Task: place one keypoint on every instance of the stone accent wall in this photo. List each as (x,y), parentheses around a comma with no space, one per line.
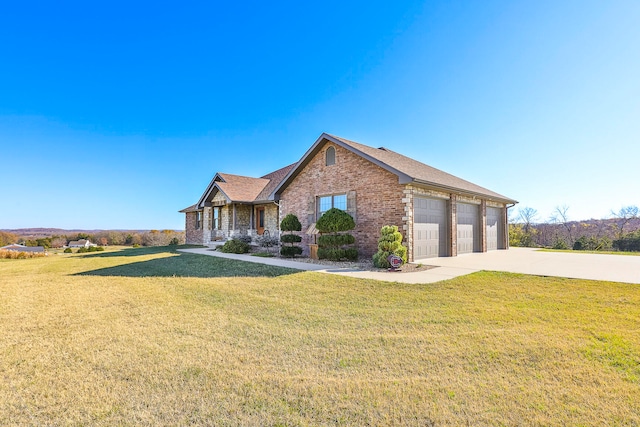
(483,226)
(271,220)
(374,196)
(243,218)
(452,238)
(193,235)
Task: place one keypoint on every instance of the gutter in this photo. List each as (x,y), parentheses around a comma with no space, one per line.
(461,191)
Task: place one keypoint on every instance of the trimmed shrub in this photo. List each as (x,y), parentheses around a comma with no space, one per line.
(334,221)
(334,245)
(174,242)
(389,243)
(290,223)
(336,240)
(82,250)
(338,254)
(291,238)
(290,251)
(234,246)
(67,251)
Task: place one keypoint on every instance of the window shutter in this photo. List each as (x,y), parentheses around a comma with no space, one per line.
(351,204)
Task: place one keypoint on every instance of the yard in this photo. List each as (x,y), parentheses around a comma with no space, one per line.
(125,337)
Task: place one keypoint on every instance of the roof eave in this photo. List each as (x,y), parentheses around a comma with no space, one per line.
(465,192)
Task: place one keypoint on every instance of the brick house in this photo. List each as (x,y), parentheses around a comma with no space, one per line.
(438,214)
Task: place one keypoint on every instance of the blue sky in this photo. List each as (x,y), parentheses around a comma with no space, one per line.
(117,114)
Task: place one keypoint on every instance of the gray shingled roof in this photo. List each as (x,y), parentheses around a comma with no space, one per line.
(274,178)
(241,188)
(192,208)
(245,189)
(22,248)
(407,169)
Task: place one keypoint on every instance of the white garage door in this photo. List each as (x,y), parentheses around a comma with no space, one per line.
(468,236)
(494,229)
(429,227)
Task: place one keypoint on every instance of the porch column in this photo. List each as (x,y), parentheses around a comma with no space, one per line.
(235,216)
(251,220)
(206,230)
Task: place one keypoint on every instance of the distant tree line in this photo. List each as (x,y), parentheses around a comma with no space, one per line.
(102,238)
(619,232)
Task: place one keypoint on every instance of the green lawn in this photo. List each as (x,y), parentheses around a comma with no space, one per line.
(155,337)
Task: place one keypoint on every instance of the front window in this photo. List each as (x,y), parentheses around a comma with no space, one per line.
(198,220)
(216,218)
(338,201)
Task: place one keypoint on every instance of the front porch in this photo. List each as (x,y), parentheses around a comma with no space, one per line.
(229,220)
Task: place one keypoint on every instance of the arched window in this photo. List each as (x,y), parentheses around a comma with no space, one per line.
(330,156)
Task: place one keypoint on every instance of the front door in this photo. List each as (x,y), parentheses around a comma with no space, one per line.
(260,220)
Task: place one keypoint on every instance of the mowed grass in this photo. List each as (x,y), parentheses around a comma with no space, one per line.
(126,338)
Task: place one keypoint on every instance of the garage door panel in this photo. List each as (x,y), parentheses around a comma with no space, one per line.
(467,226)
(493,229)
(429,227)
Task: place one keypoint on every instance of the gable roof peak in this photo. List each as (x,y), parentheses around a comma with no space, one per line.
(407,170)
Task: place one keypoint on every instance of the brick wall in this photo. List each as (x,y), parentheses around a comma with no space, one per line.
(374,191)
(193,235)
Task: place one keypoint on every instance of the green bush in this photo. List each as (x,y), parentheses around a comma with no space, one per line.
(628,243)
(291,238)
(100,249)
(338,254)
(592,243)
(331,245)
(174,242)
(290,251)
(336,240)
(234,246)
(560,244)
(68,251)
(82,250)
(389,243)
(290,223)
(334,221)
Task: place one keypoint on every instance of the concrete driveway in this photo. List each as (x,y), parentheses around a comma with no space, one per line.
(616,268)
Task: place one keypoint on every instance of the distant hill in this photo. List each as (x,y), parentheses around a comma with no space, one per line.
(48,232)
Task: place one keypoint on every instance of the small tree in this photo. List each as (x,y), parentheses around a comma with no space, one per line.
(335,245)
(290,248)
(389,243)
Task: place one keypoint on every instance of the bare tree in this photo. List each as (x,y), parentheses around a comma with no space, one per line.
(623,217)
(528,216)
(560,216)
